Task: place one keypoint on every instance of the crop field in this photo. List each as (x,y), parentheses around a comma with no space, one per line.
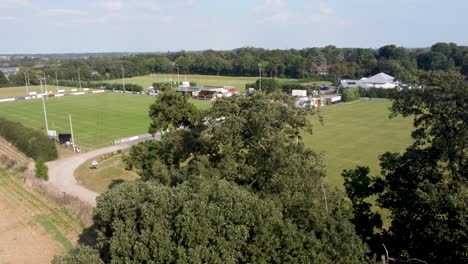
(98,119)
(237,82)
(32,227)
(355,134)
(11,92)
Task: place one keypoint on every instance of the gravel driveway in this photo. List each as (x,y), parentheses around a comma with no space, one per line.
(61,171)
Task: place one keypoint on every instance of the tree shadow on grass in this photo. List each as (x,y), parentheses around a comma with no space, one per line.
(89,236)
(115,183)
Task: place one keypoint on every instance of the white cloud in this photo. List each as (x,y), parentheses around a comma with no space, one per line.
(325,9)
(7,18)
(184,3)
(278,12)
(275,11)
(15,3)
(109,5)
(149,6)
(63,13)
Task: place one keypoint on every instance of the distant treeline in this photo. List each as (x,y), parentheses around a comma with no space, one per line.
(301,64)
(33,143)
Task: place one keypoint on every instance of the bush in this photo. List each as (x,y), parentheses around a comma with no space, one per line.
(42,172)
(78,254)
(350,94)
(33,143)
(376,92)
(164,86)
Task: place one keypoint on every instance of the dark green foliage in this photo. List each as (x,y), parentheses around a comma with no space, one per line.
(33,143)
(3,80)
(288,87)
(254,143)
(210,221)
(172,110)
(425,188)
(350,94)
(239,187)
(41,170)
(376,92)
(268,85)
(347,63)
(129,87)
(358,188)
(119,87)
(164,86)
(79,255)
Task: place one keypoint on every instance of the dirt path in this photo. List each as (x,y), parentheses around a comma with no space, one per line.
(61,172)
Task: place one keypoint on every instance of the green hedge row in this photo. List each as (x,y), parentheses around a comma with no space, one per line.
(33,143)
(99,85)
(271,85)
(377,92)
(349,94)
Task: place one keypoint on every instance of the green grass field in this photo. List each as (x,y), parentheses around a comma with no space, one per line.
(355,134)
(11,92)
(98,119)
(237,82)
(111,170)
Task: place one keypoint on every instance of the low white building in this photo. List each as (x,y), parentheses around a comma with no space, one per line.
(381,80)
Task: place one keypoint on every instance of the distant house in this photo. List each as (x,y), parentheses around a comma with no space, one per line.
(8,71)
(381,80)
(324,69)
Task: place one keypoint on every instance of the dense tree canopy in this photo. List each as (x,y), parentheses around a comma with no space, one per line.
(425,189)
(238,185)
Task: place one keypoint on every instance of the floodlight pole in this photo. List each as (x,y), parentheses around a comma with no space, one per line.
(56,82)
(26,82)
(27,75)
(71,130)
(178,78)
(45,112)
(123,79)
(45,86)
(260,70)
(79,79)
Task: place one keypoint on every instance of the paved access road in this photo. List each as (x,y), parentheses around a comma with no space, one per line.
(61,172)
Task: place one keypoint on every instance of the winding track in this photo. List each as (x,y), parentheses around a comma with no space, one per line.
(61,171)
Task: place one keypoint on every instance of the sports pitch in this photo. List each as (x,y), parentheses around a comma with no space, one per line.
(356,134)
(353,133)
(12,92)
(237,82)
(98,119)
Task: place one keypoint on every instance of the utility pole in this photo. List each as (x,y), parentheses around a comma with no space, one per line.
(171,82)
(123,79)
(178,78)
(56,83)
(71,130)
(45,86)
(26,82)
(79,79)
(260,70)
(45,112)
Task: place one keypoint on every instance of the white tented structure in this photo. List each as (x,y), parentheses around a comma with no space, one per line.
(381,80)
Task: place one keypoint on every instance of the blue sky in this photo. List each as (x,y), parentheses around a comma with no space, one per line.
(53,26)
